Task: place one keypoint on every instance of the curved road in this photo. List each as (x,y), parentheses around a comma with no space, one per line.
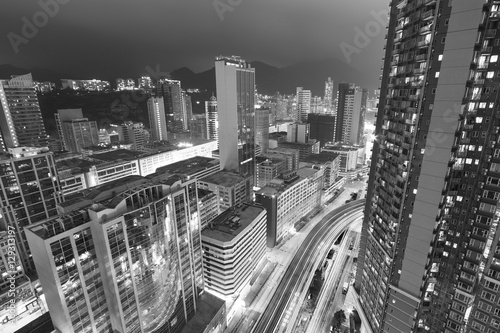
(270,319)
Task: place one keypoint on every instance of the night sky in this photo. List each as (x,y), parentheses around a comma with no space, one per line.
(112,38)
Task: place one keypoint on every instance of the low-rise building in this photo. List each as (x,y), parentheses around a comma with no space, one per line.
(268,169)
(348,155)
(305,149)
(289,198)
(231,188)
(233,244)
(330,162)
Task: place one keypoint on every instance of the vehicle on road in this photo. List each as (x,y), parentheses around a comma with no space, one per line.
(345,288)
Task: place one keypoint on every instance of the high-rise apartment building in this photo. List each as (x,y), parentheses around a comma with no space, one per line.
(173,102)
(303,104)
(21,123)
(187,111)
(235,81)
(63,115)
(262,128)
(30,191)
(212,119)
(351,109)
(157,119)
(328,98)
(321,128)
(429,257)
(135,133)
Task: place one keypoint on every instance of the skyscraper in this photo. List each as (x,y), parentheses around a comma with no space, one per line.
(80,133)
(429,257)
(262,128)
(212,119)
(303,104)
(328,98)
(350,113)
(63,115)
(171,92)
(235,81)
(157,119)
(21,122)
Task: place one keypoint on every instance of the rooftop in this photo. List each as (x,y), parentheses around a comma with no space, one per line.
(224,178)
(76,165)
(207,307)
(321,158)
(190,166)
(232,222)
(278,185)
(116,155)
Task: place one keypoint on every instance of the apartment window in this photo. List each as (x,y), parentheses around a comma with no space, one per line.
(443,40)
(433,90)
(490,75)
(436,75)
(494,58)
(440,57)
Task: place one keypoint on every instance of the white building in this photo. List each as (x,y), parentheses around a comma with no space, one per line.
(233,244)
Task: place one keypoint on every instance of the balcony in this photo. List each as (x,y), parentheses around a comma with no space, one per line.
(419,70)
(490,33)
(425,29)
(421,57)
(423,43)
(487,49)
(479,81)
(413,97)
(494,15)
(428,15)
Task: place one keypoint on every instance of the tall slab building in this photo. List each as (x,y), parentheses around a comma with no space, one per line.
(21,122)
(430,254)
(235,81)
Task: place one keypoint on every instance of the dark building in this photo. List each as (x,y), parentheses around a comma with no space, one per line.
(321,128)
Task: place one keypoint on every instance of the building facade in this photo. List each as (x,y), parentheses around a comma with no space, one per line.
(235,81)
(303,104)
(262,128)
(233,244)
(428,258)
(157,119)
(212,116)
(231,188)
(321,128)
(79,133)
(289,198)
(21,123)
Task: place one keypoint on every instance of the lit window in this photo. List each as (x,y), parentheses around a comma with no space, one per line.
(494,58)
(440,57)
(415,191)
(479,120)
(437,75)
(490,75)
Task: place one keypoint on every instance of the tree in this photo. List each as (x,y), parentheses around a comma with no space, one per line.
(339,318)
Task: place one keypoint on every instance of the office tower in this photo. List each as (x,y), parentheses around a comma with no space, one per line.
(233,244)
(212,119)
(79,133)
(328,98)
(63,115)
(429,252)
(321,128)
(298,132)
(208,205)
(122,258)
(350,113)
(157,119)
(287,199)
(135,133)
(303,104)
(262,128)
(235,81)
(30,191)
(171,92)
(21,123)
